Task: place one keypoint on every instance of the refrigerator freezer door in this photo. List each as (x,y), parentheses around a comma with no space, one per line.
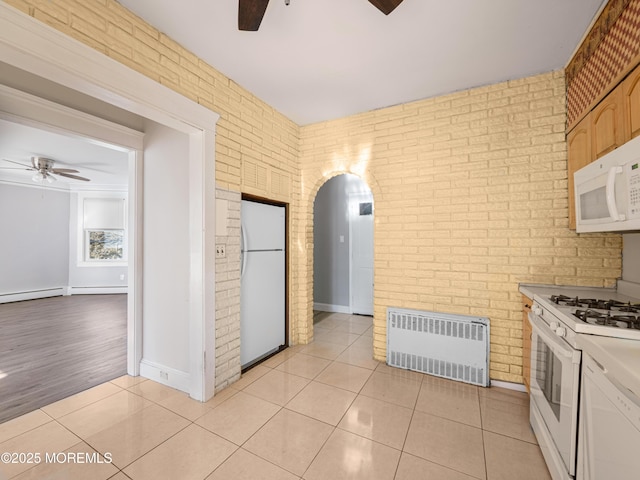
(263,305)
(263,226)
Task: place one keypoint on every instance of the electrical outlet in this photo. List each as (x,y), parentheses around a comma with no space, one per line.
(221,251)
(164,375)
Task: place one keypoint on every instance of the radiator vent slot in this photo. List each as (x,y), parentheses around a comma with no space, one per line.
(450,346)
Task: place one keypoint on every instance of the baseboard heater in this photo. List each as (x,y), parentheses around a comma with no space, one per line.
(441,344)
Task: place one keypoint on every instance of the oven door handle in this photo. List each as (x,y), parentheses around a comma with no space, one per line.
(542,330)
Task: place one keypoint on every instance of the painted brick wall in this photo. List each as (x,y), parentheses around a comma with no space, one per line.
(470,192)
(228,295)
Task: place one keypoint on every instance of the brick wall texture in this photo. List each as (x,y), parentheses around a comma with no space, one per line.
(470,189)
(228,295)
(470,194)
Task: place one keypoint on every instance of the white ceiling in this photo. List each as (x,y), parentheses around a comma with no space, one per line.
(316,60)
(102,165)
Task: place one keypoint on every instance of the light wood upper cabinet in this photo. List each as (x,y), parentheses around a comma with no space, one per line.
(631,102)
(613,122)
(578,156)
(607,120)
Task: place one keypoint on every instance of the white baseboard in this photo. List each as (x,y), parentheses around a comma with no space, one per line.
(511,386)
(166,375)
(32,295)
(325,307)
(58,292)
(97,290)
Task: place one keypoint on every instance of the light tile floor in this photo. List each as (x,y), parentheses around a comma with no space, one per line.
(319,411)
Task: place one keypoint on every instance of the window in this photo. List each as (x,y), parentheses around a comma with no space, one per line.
(104,245)
(104,230)
(366,208)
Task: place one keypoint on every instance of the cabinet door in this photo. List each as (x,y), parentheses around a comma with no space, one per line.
(607,120)
(526,341)
(631,100)
(579,155)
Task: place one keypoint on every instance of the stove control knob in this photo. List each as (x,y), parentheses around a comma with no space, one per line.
(561,331)
(554,326)
(537,310)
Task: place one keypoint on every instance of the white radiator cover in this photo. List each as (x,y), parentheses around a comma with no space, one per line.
(450,346)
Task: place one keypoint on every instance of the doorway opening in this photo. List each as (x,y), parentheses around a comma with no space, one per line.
(343,247)
(67,256)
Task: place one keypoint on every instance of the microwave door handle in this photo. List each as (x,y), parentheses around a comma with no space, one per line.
(611,194)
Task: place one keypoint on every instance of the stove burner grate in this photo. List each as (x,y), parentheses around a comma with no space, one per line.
(607,319)
(625,307)
(595,303)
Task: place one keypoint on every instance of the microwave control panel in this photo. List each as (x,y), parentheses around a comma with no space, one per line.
(634,189)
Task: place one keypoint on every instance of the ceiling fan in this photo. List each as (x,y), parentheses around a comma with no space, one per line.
(43,168)
(250,12)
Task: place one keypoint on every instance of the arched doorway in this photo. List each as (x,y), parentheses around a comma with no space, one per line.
(343,247)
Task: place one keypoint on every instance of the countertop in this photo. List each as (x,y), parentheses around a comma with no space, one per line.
(531,290)
(619,356)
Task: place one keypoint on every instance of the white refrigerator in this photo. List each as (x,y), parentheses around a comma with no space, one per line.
(262,291)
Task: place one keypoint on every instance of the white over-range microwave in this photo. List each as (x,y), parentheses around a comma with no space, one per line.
(607,191)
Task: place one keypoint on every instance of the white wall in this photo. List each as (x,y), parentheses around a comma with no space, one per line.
(87,276)
(166,248)
(34,238)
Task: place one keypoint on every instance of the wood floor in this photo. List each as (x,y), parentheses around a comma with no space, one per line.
(55,347)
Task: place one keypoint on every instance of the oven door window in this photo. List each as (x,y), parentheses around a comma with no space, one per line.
(548,376)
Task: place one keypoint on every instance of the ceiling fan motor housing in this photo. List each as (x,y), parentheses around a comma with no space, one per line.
(42,164)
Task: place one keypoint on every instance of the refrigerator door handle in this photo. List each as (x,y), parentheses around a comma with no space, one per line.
(243,240)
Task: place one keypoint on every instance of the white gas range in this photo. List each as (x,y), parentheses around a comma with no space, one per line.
(605,313)
(559,315)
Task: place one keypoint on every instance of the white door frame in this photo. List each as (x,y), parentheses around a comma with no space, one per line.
(32,46)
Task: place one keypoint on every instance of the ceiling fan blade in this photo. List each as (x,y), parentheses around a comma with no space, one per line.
(64,170)
(385,6)
(250,13)
(26,167)
(76,177)
(15,168)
